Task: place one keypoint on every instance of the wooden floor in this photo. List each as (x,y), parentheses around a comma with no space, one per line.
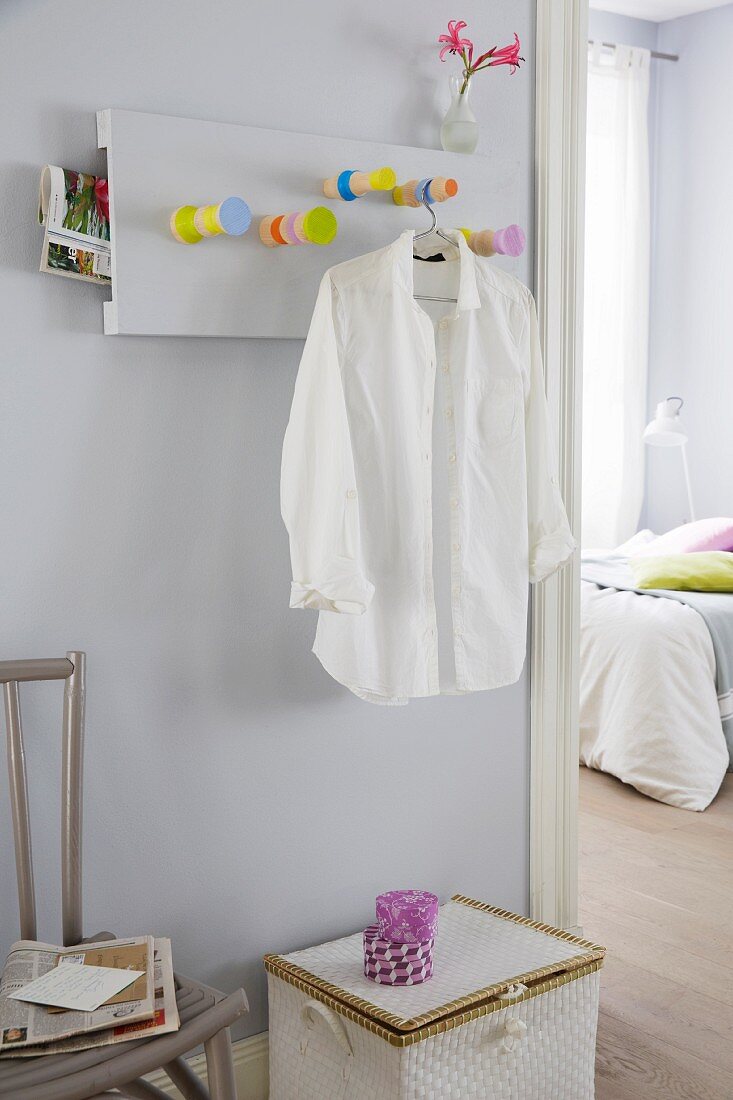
(656,889)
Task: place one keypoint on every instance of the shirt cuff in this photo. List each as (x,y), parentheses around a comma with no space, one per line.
(347,594)
(550,554)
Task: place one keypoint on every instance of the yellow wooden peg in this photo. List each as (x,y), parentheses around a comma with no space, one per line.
(350,185)
(190,224)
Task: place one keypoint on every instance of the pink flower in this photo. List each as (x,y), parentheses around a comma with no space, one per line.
(453,41)
(507,55)
(101,198)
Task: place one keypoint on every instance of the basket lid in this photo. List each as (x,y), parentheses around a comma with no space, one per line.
(481,953)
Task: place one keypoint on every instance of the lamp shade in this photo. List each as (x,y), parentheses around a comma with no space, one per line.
(666,429)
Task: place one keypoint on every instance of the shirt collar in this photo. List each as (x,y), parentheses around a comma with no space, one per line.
(402,249)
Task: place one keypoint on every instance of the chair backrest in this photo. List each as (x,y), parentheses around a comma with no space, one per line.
(71,669)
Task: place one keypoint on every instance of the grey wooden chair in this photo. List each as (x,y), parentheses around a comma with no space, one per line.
(206,1014)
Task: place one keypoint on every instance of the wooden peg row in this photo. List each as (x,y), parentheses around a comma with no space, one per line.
(350,185)
(190,224)
(437,189)
(496,242)
(316,226)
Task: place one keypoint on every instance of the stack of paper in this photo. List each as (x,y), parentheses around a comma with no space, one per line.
(56,999)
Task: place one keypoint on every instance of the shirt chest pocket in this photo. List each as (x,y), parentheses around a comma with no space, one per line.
(493,411)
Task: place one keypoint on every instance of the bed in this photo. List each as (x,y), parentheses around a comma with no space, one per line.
(655,704)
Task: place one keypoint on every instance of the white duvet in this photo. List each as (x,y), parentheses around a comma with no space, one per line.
(649,711)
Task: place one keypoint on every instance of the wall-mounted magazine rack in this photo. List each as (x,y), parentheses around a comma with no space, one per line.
(237,287)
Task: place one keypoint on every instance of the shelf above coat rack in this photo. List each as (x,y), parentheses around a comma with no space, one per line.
(233,286)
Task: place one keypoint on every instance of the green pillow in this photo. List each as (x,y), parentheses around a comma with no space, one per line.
(705,571)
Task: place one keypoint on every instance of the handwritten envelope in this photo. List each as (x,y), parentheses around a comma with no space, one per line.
(83,988)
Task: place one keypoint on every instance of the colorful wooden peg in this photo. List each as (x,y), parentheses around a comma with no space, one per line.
(497,242)
(350,185)
(316,226)
(437,189)
(190,224)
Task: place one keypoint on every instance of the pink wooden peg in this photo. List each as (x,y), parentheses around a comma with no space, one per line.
(510,241)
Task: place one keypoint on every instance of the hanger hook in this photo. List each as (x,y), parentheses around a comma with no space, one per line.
(434,227)
(431,211)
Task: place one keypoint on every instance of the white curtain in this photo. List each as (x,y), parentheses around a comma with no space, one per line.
(616,294)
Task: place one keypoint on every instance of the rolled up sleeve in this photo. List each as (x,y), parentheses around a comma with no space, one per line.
(550,539)
(318,490)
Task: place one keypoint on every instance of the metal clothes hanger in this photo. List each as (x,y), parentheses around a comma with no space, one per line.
(426,233)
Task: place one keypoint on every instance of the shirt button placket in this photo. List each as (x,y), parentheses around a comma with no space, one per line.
(427,424)
(455,500)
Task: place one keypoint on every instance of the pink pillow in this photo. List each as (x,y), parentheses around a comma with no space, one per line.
(691,538)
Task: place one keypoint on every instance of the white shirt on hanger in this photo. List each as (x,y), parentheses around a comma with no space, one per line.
(358,474)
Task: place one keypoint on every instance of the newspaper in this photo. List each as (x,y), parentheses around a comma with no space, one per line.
(165,1016)
(74,208)
(24,1026)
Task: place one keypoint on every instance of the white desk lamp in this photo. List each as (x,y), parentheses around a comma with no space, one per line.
(667,430)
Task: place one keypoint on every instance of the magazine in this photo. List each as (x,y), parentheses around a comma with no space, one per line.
(23,1023)
(165,1017)
(74,208)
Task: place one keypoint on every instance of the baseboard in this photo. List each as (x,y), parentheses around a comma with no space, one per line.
(250,1069)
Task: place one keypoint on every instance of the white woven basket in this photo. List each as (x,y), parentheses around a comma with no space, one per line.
(510,1014)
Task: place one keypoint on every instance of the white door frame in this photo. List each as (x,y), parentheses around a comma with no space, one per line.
(561,69)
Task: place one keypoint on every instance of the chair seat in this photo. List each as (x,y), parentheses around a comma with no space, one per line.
(46,1075)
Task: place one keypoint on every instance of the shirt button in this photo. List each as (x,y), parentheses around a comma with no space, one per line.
(446,369)
(452,456)
(351,494)
(456,589)
(454,502)
(456,546)
(427,457)
(449,413)
(444,324)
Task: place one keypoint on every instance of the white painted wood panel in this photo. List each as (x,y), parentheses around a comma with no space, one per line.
(234,286)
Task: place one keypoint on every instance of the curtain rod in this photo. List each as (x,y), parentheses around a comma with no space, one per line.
(655,53)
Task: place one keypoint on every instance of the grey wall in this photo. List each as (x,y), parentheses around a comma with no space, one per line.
(606,26)
(238,799)
(692,288)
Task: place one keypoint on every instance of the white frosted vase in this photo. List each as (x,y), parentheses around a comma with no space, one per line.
(459,132)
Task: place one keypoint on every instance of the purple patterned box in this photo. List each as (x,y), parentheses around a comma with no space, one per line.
(408,973)
(377,948)
(407,916)
(389,963)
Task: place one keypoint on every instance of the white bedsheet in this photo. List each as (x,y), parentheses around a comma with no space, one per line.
(649,711)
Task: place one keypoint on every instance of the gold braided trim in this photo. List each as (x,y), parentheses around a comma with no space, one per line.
(366,1013)
(549,929)
(447,1023)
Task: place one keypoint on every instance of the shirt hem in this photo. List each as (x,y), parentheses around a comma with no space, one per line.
(380,696)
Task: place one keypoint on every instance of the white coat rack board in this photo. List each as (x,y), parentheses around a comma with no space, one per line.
(233,285)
